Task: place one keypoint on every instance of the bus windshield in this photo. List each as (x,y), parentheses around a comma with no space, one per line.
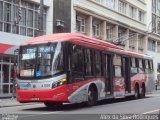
(40,60)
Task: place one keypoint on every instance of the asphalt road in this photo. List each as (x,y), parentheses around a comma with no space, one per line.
(108,109)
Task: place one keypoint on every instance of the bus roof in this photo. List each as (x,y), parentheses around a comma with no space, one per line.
(68,37)
(84,41)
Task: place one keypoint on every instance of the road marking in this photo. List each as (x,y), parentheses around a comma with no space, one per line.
(34,115)
(151,111)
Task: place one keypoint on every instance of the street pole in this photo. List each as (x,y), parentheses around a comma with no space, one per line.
(41,18)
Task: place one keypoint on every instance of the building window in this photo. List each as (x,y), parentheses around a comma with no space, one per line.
(132,12)
(140,42)
(158,5)
(158,46)
(109,32)
(154,23)
(132,39)
(121,35)
(122,7)
(154,6)
(110,4)
(141,16)
(80,24)
(1,10)
(158,26)
(96,28)
(7,17)
(151,45)
(28,24)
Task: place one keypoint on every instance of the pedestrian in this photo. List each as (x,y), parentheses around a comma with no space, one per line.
(156,83)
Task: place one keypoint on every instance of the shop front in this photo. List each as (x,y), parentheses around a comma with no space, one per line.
(6,75)
(8,43)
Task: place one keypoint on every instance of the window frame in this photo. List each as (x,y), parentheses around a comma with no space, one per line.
(22,27)
(151,45)
(109,32)
(132,11)
(112,2)
(82,22)
(96,27)
(122,7)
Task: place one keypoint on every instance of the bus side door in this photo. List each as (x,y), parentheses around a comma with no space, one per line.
(127,74)
(108,74)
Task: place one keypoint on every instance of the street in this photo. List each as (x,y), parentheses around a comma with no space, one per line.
(148,105)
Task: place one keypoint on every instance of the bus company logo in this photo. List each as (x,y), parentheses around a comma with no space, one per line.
(25,84)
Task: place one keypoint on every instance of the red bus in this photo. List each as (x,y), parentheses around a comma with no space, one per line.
(74,68)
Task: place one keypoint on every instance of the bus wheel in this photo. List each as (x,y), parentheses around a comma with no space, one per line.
(142,94)
(92,96)
(49,104)
(136,94)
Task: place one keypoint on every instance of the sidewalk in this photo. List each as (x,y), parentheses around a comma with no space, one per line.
(9,102)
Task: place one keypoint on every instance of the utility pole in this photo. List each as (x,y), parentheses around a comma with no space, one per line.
(41,32)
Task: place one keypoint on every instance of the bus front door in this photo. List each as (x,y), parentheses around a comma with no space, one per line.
(127,75)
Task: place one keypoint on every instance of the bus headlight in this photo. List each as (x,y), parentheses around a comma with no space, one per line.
(59,83)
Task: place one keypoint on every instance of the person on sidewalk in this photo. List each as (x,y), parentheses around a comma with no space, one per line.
(156,84)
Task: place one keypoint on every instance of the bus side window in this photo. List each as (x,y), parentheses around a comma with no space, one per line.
(98,63)
(88,62)
(150,65)
(134,65)
(117,62)
(140,66)
(77,61)
(147,68)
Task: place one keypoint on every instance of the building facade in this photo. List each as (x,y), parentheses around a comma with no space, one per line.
(19,21)
(153,27)
(127,23)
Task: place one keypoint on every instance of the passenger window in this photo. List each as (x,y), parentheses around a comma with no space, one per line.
(133,62)
(147,66)
(98,64)
(77,61)
(88,62)
(134,65)
(117,62)
(141,65)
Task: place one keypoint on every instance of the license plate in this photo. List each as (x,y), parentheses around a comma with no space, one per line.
(35,99)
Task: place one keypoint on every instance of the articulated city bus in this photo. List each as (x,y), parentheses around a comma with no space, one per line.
(74,68)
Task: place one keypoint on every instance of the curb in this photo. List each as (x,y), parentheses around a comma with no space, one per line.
(12,103)
(17,105)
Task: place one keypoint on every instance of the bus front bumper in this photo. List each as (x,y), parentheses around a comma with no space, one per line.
(58,95)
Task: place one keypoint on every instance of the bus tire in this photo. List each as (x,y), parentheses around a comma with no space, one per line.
(92,96)
(142,94)
(136,94)
(50,104)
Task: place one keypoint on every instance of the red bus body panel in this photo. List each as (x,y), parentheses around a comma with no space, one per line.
(56,94)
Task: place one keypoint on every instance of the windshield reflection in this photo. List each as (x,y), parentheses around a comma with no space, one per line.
(41,60)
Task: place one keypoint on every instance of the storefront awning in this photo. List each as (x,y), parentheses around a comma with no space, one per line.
(7,48)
